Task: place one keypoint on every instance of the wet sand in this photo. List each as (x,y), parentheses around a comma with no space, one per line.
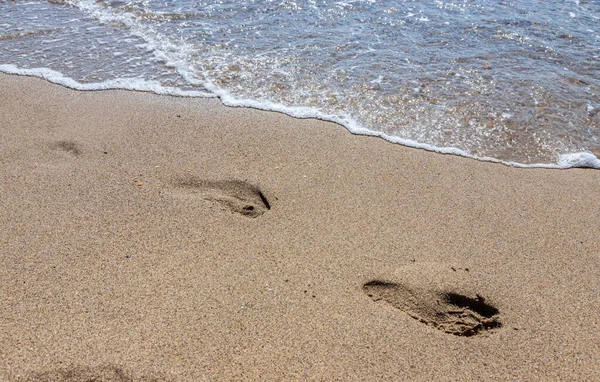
(148,237)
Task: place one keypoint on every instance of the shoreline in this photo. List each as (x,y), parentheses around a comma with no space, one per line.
(582,159)
(151,236)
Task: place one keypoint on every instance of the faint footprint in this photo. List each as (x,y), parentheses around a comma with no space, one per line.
(108,373)
(236,196)
(68,146)
(437,295)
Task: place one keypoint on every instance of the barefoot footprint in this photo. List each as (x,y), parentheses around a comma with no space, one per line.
(439,296)
(68,146)
(234,195)
(107,373)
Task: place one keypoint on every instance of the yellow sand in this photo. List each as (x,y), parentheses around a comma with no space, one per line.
(146,237)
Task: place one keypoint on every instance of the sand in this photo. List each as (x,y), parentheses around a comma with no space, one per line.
(153,238)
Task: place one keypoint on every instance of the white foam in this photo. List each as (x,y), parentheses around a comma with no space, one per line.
(137,84)
(564,161)
(583,159)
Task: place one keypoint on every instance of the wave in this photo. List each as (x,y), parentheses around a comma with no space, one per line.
(136,84)
(564,161)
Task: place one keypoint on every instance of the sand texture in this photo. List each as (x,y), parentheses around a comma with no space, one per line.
(153,238)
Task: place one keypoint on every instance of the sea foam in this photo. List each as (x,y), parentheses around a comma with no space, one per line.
(120,83)
(565,161)
(583,159)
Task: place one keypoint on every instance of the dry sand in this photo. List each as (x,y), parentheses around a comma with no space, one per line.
(146,237)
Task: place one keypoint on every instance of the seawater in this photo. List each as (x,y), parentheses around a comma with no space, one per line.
(510,81)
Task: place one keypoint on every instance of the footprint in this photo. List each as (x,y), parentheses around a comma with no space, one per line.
(236,196)
(108,373)
(437,295)
(70,147)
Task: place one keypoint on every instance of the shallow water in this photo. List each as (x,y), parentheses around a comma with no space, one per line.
(490,79)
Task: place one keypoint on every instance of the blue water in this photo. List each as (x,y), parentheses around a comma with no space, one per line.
(517,82)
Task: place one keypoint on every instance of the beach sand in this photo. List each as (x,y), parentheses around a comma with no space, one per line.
(154,238)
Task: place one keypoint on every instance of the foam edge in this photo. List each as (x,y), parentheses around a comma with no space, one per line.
(136,84)
(564,161)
